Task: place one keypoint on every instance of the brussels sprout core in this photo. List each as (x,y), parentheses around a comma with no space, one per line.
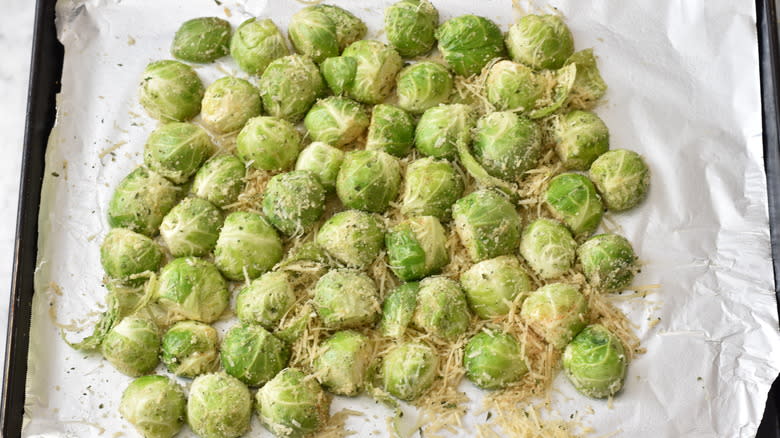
(557,312)
(469,42)
(292,405)
(192,288)
(247,246)
(342,362)
(410,26)
(265,300)
(492,286)
(422,86)
(189,349)
(203,39)
(229,103)
(572,198)
(580,138)
(171,91)
(548,247)
(336,120)
(494,360)
(622,178)
(487,224)
(256,43)
(608,261)
(253,355)
(408,370)
(154,405)
(417,247)
(507,145)
(191,228)
(140,202)
(346,299)
(368,180)
(540,41)
(294,201)
(441,128)
(352,237)
(430,188)
(220,180)
(595,362)
(268,143)
(323,161)
(219,406)
(441,308)
(124,254)
(391,130)
(289,86)
(132,346)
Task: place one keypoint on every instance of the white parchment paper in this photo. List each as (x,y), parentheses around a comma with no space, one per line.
(684,92)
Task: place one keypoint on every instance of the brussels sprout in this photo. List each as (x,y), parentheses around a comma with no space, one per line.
(540,41)
(323,161)
(608,261)
(352,237)
(417,247)
(558,95)
(323,31)
(588,86)
(368,180)
(203,39)
(247,246)
(487,224)
(191,228)
(622,178)
(140,202)
(595,362)
(177,150)
(336,120)
(513,87)
(572,198)
(548,247)
(268,143)
(154,405)
(430,188)
(398,310)
(132,346)
(410,26)
(220,180)
(294,201)
(229,103)
(494,360)
(171,91)
(342,362)
(289,86)
(256,43)
(189,349)
(441,309)
(557,312)
(292,405)
(377,66)
(492,285)
(391,130)
(441,128)
(219,406)
(423,85)
(408,370)
(469,42)
(339,73)
(580,138)
(253,355)
(125,254)
(346,299)
(265,300)
(192,288)
(507,145)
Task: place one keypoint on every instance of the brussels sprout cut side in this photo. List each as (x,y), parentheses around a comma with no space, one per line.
(229,103)
(540,41)
(572,198)
(492,286)
(202,39)
(352,237)
(408,370)
(548,247)
(132,346)
(171,91)
(342,362)
(410,26)
(294,201)
(391,130)
(292,405)
(192,288)
(140,202)
(125,255)
(494,360)
(220,180)
(289,86)
(557,312)
(247,246)
(368,180)
(423,85)
(219,406)
(189,349)
(268,143)
(417,248)
(256,43)
(253,355)
(608,261)
(346,299)
(595,362)
(431,187)
(441,309)
(191,228)
(622,178)
(177,150)
(154,405)
(469,42)
(487,223)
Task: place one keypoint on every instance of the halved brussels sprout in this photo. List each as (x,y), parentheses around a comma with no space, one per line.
(595,362)
(192,288)
(492,285)
(219,406)
(377,65)
(256,43)
(391,130)
(409,369)
(507,145)
(323,31)
(580,138)
(203,39)
(132,346)
(268,143)
(442,310)
(289,86)
(247,246)
(557,312)
(339,73)
(323,161)
(368,180)
(292,404)
(608,261)
(125,254)
(342,361)
(154,405)
(572,199)
(265,300)
(540,41)
(140,202)
(352,237)
(189,349)
(430,188)
(398,310)
(253,355)
(423,85)
(417,247)
(346,299)
(513,87)
(220,180)
(441,128)
(171,91)
(410,26)
(469,42)
(622,178)
(177,150)
(294,201)
(494,360)
(487,223)
(548,247)
(336,120)
(229,103)
(588,86)
(191,228)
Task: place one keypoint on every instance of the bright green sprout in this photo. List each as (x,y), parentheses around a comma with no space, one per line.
(191,227)
(229,103)
(493,285)
(171,91)
(409,369)
(410,26)
(540,41)
(417,248)
(376,67)
(341,362)
(548,247)
(441,128)
(608,261)
(442,310)
(219,406)
(177,150)
(323,161)
(192,288)
(140,202)
(203,39)
(323,31)
(266,299)
(253,355)
(336,120)
(256,43)
(154,405)
(469,42)
(132,346)
(488,224)
(557,312)
(190,348)
(398,310)
(494,360)
(423,85)
(268,143)
(391,130)
(352,237)
(595,362)
(588,87)
(220,180)
(622,178)
(368,180)
(507,145)
(292,405)
(580,138)
(127,255)
(294,201)
(510,86)
(247,246)
(431,187)
(289,86)
(346,299)
(572,199)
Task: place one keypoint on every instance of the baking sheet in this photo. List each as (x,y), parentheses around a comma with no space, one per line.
(684,92)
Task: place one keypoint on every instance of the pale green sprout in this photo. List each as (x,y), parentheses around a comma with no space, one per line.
(294,201)
(339,73)
(441,128)
(292,405)
(622,178)
(342,361)
(431,187)
(580,138)
(376,66)
(510,86)
(548,247)
(268,143)
(442,310)
(140,202)
(229,103)
(177,150)
(423,85)
(588,87)
(608,262)
(410,26)
(247,246)
(507,145)
(132,346)
(572,198)
(220,180)
(352,237)
(469,42)
(192,288)
(336,120)
(558,94)
(368,180)
(408,370)
(154,405)
(323,31)
(494,360)
(417,247)
(391,130)
(190,348)
(126,255)
(266,299)
(398,310)
(219,406)
(203,39)
(346,299)
(252,354)
(595,362)
(557,312)
(171,91)
(540,41)
(256,43)
(323,161)
(492,286)
(191,227)
(488,224)
(289,86)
